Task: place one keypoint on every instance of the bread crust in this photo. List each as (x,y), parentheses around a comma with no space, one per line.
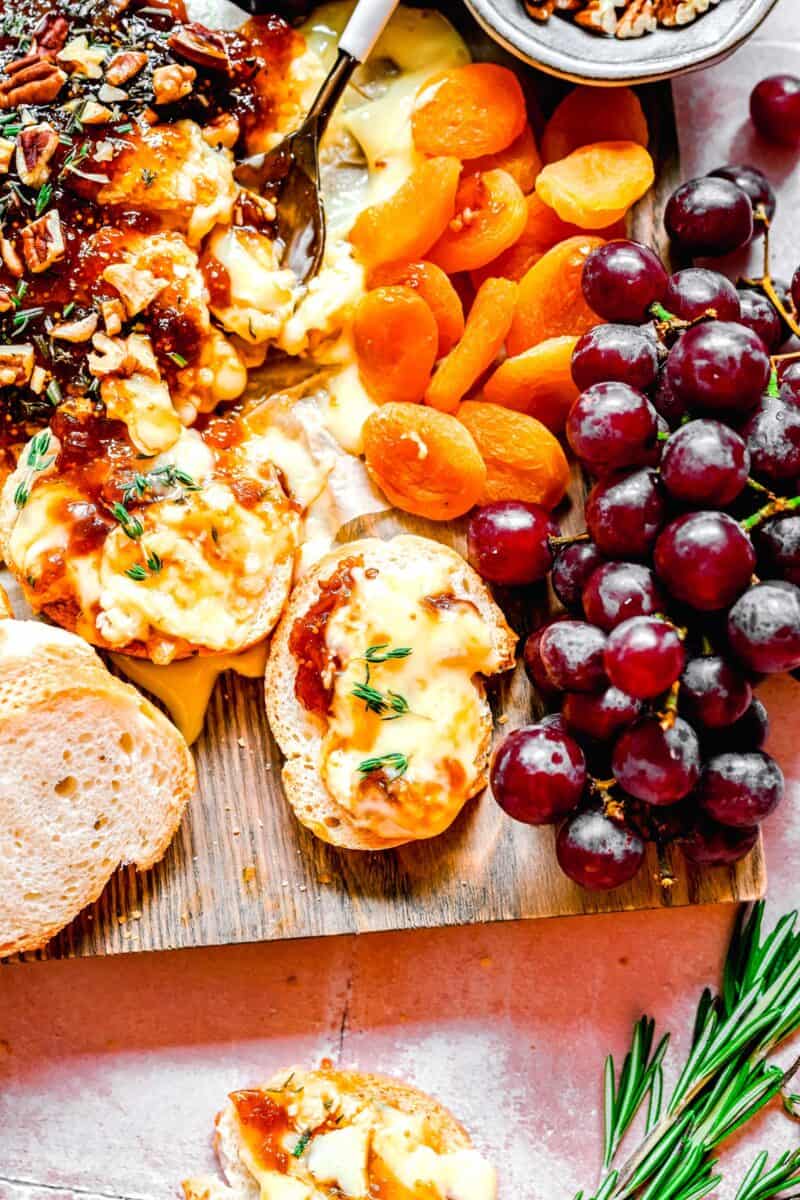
(48,679)
(299,733)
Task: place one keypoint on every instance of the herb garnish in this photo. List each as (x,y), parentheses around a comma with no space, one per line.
(396,762)
(302,1142)
(727,1078)
(43,198)
(20,293)
(390,705)
(178,359)
(167,475)
(148,177)
(35,461)
(131,526)
(23,317)
(53,393)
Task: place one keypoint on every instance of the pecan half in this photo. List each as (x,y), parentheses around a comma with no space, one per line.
(38,82)
(75,331)
(205,47)
(124,65)
(638,19)
(222,130)
(50,34)
(43,242)
(540,12)
(600,15)
(16,365)
(138,288)
(36,145)
(172,83)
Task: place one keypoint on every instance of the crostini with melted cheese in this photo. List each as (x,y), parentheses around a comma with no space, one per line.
(374,691)
(319,1135)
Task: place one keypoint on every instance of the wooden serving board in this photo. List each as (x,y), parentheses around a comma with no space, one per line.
(242,869)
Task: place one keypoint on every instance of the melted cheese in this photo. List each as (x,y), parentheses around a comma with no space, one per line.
(340,1158)
(443,728)
(185,687)
(261,295)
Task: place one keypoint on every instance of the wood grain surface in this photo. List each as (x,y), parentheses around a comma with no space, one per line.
(241,869)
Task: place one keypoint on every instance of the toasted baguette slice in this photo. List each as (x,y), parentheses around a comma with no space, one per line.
(301,733)
(342,1133)
(91,775)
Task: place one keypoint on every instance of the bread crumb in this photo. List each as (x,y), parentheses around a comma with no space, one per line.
(240,741)
(502,719)
(248,874)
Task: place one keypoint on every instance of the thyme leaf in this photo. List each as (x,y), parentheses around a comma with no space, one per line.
(396,762)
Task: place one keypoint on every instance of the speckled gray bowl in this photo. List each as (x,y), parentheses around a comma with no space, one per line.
(565,49)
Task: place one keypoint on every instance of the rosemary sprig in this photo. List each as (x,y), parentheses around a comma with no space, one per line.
(397,764)
(382,653)
(36,460)
(726,1080)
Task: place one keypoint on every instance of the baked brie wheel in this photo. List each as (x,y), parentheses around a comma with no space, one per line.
(327,1134)
(374,691)
(162,556)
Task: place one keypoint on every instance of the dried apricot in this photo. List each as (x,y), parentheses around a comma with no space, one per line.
(408,223)
(521,159)
(433,286)
(538,381)
(484,333)
(550,301)
(597,184)
(523,459)
(468,111)
(594,114)
(543,230)
(396,339)
(424,461)
(490,216)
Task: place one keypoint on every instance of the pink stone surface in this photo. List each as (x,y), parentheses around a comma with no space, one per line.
(111,1069)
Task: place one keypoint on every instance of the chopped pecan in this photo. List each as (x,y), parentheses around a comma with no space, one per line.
(16,365)
(36,145)
(599,15)
(223,130)
(540,12)
(75,331)
(37,82)
(92,113)
(110,357)
(50,34)
(6,299)
(111,95)
(681,12)
(205,47)
(124,65)
(172,83)
(113,316)
(138,288)
(43,242)
(6,151)
(13,262)
(82,58)
(38,380)
(250,209)
(638,19)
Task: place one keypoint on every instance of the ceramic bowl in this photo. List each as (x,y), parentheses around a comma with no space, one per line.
(565,49)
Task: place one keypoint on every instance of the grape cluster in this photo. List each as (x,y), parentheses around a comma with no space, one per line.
(685,588)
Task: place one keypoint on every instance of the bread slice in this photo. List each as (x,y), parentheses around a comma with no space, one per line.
(300,733)
(342,1098)
(91,775)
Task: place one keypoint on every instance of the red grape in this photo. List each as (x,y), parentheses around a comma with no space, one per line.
(555,721)
(621,279)
(665,401)
(598,852)
(644,656)
(756,186)
(712,693)
(538,774)
(532,660)
(599,715)
(619,590)
(572,569)
(611,425)
(572,654)
(758,313)
(713,845)
(705,559)
(718,365)
(777,545)
(615,352)
(795,290)
(764,627)
(705,463)
(740,789)
(748,733)
(772,433)
(789,376)
(775,109)
(625,512)
(656,761)
(709,216)
(508,542)
(696,291)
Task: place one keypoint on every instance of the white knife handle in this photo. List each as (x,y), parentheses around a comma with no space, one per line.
(365,26)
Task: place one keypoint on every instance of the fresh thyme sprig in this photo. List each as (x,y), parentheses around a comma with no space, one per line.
(726,1080)
(167,475)
(396,762)
(389,705)
(36,460)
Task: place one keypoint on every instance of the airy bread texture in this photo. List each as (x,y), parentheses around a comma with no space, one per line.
(300,733)
(344,1099)
(91,775)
